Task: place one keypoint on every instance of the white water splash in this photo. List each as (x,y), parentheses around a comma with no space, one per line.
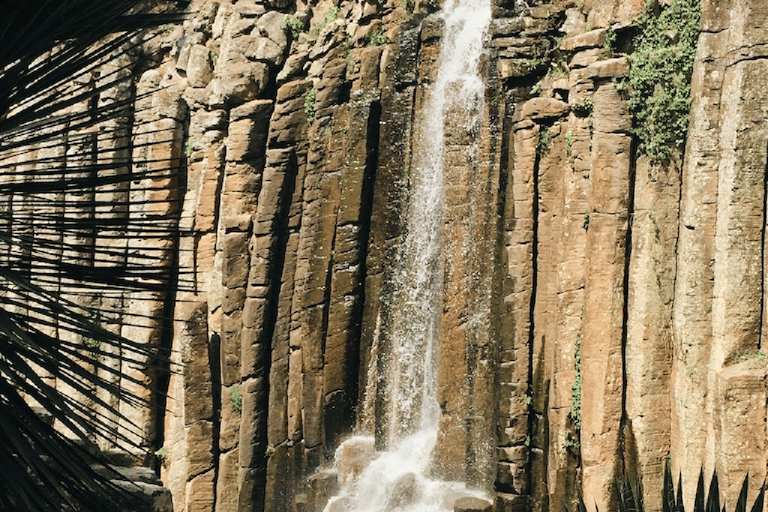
(397,480)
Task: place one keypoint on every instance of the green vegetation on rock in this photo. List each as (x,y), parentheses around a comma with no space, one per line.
(309,104)
(378,37)
(292,25)
(545,141)
(658,83)
(574,414)
(236,399)
(758,356)
(330,16)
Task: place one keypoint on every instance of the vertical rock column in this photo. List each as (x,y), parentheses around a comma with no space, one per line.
(81,150)
(389,199)
(737,381)
(719,295)
(242,355)
(512,479)
(153,220)
(547,114)
(111,204)
(692,314)
(648,350)
(275,242)
(356,143)
(464,449)
(603,332)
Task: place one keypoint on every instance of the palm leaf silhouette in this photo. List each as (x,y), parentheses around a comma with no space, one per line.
(71,193)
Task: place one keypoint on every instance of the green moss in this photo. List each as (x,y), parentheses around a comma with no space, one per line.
(309,104)
(378,38)
(330,16)
(754,355)
(608,43)
(348,57)
(189,147)
(236,399)
(585,107)
(658,84)
(292,25)
(574,415)
(333,12)
(545,141)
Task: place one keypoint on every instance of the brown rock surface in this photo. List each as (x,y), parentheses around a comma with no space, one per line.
(600,311)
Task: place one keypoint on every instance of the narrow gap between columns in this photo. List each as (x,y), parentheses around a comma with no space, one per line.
(628,467)
(531,320)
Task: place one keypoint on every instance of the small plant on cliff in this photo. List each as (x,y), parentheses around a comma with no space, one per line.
(292,25)
(333,12)
(162,455)
(348,58)
(658,83)
(330,16)
(608,42)
(574,414)
(309,104)
(545,141)
(753,355)
(584,107)
(378,37)
(236,399)
(189,147)
(94,347)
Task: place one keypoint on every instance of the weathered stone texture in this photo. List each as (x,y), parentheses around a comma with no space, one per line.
(597,307)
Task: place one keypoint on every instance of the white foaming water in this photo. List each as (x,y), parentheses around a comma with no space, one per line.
(397,480)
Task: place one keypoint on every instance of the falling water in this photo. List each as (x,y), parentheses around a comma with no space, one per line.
(398,479)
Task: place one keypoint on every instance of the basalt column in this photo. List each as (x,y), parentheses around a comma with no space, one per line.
(719,297)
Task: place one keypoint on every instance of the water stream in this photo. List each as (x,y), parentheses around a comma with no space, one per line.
(398,480)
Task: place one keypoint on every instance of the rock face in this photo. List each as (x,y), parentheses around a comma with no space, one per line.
(622,300)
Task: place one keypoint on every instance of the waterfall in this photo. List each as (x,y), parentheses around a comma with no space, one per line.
(398,479)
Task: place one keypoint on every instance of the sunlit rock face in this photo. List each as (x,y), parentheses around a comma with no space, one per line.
(591,312)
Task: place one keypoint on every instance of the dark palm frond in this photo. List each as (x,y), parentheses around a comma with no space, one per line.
(629,495)
(668,501)
(713,496)
(78,183)
(709,502)
(757,506)
(699,501)
(741,502)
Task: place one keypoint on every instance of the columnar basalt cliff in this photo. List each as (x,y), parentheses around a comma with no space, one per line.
(602,310)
